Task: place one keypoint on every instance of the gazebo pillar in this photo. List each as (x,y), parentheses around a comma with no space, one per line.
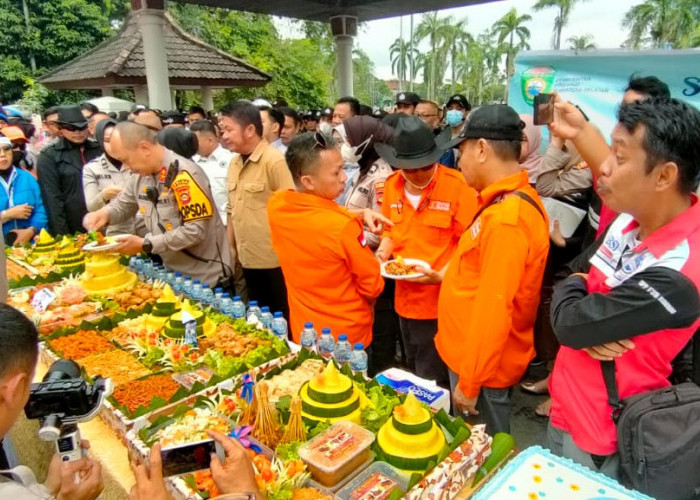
(141,94)
(151,22)
(344,29)
(207,99)
(107,92)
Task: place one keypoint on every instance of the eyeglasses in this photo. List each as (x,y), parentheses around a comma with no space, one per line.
(72,128)
(6,149)
(424,115)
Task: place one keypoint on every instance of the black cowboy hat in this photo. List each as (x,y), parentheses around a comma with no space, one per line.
(71,115)
(414,145)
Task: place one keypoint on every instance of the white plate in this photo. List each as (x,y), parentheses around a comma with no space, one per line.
(409,262)
(94,246)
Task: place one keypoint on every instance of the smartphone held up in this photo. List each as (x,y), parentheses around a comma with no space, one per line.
(189,457)
(543,109)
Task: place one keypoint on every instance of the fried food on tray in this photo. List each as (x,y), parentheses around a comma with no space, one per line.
(81,344)
(229,342)
(120,366)
(142,392)
(399,267)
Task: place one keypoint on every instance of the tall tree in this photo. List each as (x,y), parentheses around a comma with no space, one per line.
(432,28)
(564,8)
(508,28)
(583,42)
(456,40)
(400,54)
(660,23)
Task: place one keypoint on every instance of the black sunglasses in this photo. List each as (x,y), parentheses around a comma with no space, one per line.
(73,128)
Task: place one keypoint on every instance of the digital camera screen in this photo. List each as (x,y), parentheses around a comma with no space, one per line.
(187,458)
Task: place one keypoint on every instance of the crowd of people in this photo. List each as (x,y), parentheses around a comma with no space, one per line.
(300,211)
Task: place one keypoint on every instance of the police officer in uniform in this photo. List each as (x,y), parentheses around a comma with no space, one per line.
(173,196)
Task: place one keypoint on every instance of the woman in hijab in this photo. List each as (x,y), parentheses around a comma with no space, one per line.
(530,157)
(104,178)
(366,192)
(179,140)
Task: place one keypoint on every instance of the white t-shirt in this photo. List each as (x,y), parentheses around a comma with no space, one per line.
(413,198)
(215,166)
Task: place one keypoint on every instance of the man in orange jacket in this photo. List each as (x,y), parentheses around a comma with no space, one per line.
(491,290)
(331,274)
(430,206)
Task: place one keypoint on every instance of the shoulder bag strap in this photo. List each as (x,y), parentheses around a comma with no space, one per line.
(528,199)
(608,368)
(502,196)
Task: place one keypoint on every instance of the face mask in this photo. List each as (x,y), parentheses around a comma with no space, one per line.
(454,117)
(353,155)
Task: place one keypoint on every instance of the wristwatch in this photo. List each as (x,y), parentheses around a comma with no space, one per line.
(147,245)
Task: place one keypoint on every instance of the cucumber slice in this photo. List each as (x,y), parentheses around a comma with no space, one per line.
(330,398)
(403,463)
(412,429)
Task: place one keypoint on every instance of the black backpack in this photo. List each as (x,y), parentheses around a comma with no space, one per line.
(658,438)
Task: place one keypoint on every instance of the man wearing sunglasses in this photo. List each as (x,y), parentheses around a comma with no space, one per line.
(60,172)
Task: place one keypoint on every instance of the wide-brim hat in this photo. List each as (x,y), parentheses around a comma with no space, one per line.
(414,145)
(71,115)
(14,133)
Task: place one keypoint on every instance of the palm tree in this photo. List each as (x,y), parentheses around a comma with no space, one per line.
(508,27)
(564,10)
(659,23)
(431,27)
(401,53)
(456,40)
(583,42)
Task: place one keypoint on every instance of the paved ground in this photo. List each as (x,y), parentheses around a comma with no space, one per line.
(526,427)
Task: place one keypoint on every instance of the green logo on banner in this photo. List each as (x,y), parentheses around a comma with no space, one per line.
(537,81)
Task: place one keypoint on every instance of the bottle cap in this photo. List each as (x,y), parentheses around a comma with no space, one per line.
(187,277)
(226,295)
(309,324)
(218,289)
(196,282)
(359,346)
(342,337)
(253,303)
(265,309)
(277,314)
(178,274)
(236,297)
(205,285)
(326,330)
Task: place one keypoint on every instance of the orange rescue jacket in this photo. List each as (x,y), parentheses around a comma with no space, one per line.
(332,276)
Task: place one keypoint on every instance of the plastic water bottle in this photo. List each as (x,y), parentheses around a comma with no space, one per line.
(342,350)
(266,317)
(279,325)
(178,281)
(309,336)
(226,304)
(326,343)
(237,308)
(358,359)
(196,294)
(160,274)
(187,286)
(147,270)
(134,263)
(218,295)
(207,295)
(169,278)
(254,313)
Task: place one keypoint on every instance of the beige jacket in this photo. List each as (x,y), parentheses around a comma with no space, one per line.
(250,185)
(184,220)
(99,174)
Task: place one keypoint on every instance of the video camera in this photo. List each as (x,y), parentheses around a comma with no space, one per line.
(61,400)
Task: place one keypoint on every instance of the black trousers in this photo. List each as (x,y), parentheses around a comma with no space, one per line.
(422,357)
(268,288)
(386,332)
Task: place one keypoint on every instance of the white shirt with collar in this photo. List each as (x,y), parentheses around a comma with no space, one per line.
(216,166)
(279,146)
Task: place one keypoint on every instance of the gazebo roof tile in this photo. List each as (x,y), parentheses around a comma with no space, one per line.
(188,59)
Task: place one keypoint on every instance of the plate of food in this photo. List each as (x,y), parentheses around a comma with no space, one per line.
(101,243)
(403,269)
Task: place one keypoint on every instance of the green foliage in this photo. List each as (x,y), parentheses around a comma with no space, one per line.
(564,8)
(658,23)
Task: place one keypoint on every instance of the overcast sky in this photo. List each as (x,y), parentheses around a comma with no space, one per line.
(600,18)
